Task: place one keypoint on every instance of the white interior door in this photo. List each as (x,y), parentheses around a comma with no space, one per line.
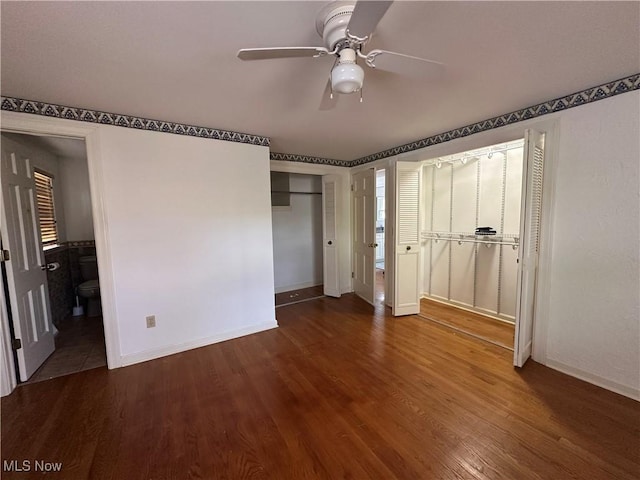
(364,234)
(407,234)
(529,244)
(330,185)
(27,281)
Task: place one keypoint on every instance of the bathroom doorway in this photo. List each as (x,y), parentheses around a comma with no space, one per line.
(69,303)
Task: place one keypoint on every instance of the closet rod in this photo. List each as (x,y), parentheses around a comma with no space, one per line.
(514,243)
(297,193)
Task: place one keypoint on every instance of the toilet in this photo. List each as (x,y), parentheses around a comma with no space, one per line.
(90,287)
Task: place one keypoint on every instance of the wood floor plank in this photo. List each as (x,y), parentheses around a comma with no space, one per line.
(490,329)
(341,390)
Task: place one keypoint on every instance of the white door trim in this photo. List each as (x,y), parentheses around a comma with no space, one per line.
(37,125)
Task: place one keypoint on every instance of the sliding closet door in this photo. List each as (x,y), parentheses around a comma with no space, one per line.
(330,185)
(408,258)
(529,245)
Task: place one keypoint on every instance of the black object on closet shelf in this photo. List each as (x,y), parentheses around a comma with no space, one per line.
(485,231)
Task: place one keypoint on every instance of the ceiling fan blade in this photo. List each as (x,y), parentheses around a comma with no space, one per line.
(366,16)
(404,64)
(327,102)
(281,52)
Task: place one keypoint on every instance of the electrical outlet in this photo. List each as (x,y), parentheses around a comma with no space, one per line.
(151,321)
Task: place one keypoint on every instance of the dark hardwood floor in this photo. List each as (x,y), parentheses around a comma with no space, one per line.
(340,390)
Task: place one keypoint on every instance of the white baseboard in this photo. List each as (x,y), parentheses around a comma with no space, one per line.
(201,342)
(633,393)
(297,286)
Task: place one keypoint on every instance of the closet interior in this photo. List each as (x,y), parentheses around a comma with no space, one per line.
(296,209)
(471,227)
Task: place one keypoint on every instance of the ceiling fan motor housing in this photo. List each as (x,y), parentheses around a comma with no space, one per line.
(332,22)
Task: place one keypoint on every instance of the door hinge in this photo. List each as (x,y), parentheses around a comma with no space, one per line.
(352,187)
(4,255)
(353,275)
(16,344)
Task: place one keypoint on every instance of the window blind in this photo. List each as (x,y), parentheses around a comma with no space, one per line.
(46,210)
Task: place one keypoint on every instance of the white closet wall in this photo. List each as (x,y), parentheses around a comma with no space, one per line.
(483,191)
(297,236)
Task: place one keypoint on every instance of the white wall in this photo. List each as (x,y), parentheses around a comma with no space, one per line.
(594,289)
(297,236)
(189,229)
(76,197)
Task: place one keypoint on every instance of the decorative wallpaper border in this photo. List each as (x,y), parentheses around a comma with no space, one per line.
(577,99)
(294,157)
(95,116)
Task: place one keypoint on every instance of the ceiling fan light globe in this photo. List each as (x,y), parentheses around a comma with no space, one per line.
(347,78)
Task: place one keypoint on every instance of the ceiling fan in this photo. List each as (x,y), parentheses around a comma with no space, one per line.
(345,28)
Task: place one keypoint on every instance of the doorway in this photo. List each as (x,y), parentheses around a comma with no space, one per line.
(462,219)
(64,246)
(296,213)
(368,207)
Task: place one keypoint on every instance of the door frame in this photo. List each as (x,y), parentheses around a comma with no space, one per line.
(343,219)
(550,126)
(13,122)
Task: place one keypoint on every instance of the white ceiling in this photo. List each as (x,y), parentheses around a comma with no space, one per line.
(176,61)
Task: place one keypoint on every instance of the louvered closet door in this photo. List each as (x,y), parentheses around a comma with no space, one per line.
(407,249)
(529,244)
(330,185)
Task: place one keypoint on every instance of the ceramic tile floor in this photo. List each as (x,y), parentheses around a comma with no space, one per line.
(79,346)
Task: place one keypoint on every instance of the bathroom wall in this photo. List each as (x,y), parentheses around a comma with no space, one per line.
(483,192)
(61,298)
(76,198)
(297,236)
